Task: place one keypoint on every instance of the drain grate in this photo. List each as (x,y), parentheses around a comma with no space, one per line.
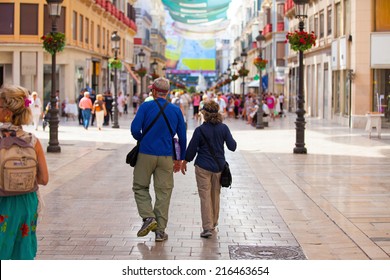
(241,252)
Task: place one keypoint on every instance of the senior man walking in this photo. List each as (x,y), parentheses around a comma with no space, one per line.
(156,158)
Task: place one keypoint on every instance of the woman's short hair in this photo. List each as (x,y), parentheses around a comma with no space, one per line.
(211,113)
(16,100)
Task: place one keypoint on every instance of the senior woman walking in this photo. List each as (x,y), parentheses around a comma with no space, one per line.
(207,171)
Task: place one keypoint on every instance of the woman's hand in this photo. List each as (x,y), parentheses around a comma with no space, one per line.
(176,165)
(183,167)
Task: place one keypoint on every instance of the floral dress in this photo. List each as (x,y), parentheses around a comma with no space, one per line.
(18,219)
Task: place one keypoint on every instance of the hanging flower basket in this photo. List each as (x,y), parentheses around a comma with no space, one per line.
(155,76)
(234,77)
(301,40)
(53,42)
(141,72)
(243,72)
(114,63)
(260,63)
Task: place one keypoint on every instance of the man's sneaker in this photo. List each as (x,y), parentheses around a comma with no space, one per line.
(161,236)
(148,225)
(206,233)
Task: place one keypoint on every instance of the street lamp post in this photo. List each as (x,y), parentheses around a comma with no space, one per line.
(141,57)
(301,15)
(244,56)
(164,70)
(259,123)
(154,66)
(115,44)
(234,64)
(229,72)
(54,147)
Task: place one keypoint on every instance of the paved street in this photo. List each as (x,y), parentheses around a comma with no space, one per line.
(332,203)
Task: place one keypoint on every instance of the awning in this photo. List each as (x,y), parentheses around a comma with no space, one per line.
(132,74)
(254,84)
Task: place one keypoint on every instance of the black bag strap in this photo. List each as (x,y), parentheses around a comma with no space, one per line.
(211,150)
(154,121)
(169,126)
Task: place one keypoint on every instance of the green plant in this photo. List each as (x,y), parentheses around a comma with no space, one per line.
(243,72)
(53,42)
(141,71)
(114,63)
(234,77)
(260,63)
(301,40)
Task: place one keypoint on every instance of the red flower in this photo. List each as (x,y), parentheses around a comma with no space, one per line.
(2,218)
(25,229)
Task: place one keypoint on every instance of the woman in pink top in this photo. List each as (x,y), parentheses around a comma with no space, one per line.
(196,103)
(86,107)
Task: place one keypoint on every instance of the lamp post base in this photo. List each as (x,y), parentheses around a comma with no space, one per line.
(53,149)
(300,150)
(115,126)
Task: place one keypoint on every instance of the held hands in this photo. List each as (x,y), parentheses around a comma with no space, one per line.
(176,166)
(183,167)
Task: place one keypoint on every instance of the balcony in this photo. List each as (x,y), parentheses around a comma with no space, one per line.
(289,10)
(280,27)
(267,29)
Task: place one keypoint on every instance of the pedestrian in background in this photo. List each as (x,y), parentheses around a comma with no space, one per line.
(109,100)
(207,170)
(36,109)
(155,158)
(99,109)
(80,116)
(19,213)
(86,107)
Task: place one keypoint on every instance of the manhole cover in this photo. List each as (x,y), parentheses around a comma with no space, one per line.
(238,252)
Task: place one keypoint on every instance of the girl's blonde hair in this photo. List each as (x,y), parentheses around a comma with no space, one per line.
(16,100)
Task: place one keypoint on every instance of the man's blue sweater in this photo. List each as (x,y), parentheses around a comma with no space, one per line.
(158,140)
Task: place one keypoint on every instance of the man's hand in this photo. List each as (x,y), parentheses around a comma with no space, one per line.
(176,165)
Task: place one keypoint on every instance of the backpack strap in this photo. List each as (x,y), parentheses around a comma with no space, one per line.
(169,127)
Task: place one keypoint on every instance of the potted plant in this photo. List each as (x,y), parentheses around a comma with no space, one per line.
(53,42)
(260,63)
(234,77)
(141,72)
(155,76)
(301,40)
(243,72)
(114,63)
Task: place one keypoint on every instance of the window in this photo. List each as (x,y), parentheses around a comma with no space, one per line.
(280,13)
(81,28)
(347,17)
(329,20)
(86,30)
(311,24)
(322,27)
(104,38)
(381,18)
(92,34)
(316,29)
(280,50)
(29,19)
(338,20)
(98,36)
(48,22)
(74,20)
(7,18)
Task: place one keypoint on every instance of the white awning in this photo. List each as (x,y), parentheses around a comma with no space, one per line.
(254,84)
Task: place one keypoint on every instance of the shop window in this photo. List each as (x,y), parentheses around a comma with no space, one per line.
(29,19)
(87,30)
(336,92)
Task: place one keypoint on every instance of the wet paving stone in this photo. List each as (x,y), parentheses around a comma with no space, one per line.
(240,252)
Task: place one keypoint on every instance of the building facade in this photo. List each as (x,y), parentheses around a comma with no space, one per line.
(87,25)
